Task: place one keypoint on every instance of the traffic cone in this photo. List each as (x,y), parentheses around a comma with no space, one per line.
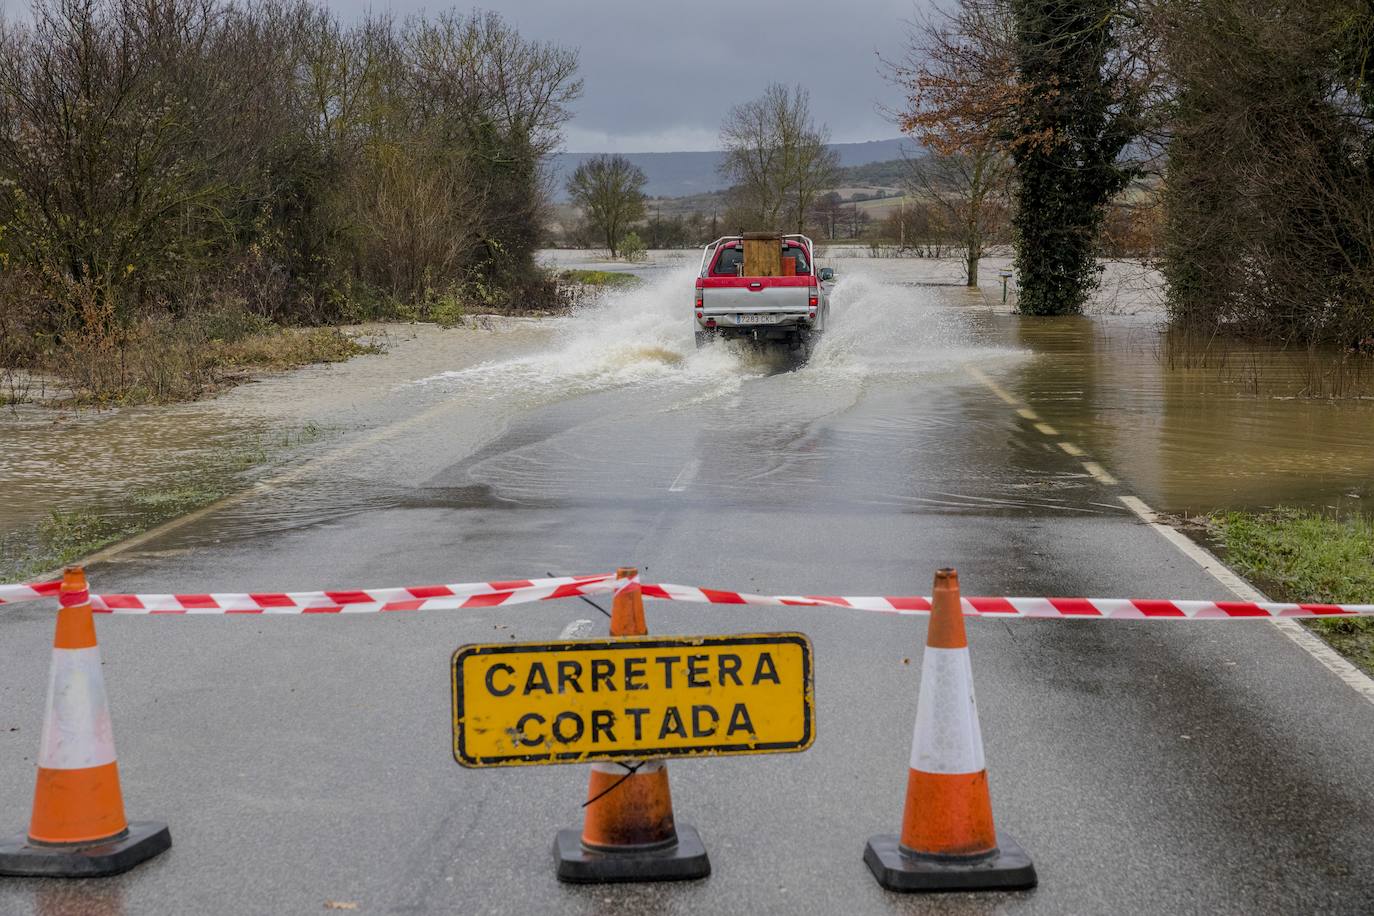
(948,841)
(78,829)
(629,833)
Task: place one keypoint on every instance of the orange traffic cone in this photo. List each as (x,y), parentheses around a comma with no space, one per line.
(948,841)
(629,833)
(78,829)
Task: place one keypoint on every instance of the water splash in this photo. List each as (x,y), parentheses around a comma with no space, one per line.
(644,337)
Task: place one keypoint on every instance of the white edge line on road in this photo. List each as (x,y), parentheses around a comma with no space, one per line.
(1099,473)
(992,386)
(1356,679)
(685,476)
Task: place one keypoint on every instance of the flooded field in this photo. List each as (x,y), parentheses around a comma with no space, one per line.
(1234,427)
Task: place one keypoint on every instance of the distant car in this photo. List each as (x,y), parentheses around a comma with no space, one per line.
(783,302)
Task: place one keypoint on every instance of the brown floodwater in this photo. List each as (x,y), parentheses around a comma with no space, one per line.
(1195,428)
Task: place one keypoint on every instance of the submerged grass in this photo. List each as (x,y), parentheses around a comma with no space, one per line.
(1308,556)
(609,278)
(66,536)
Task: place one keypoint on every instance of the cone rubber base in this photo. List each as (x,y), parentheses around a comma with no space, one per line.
(1007,869)
(142,841)
(684,860)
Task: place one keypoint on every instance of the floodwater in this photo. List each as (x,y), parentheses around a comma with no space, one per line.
(1241,427)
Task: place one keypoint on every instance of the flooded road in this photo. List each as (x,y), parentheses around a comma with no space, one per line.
(1153,766)
(1236,427)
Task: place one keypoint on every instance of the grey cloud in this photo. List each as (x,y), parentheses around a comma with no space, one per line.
(662,75)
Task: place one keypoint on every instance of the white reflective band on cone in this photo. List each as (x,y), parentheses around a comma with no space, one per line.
(947,738)
(76,729)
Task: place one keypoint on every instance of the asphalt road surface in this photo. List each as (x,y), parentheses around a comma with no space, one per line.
(1147,767)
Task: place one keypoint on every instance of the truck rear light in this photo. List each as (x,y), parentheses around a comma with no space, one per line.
(815,300)
(699,297)
(698,313)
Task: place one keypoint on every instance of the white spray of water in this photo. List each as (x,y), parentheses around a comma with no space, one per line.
(644,337)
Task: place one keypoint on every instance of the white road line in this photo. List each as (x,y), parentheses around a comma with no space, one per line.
(685,476)
(992,386)
(1100,473)
(1356,679)
(1027,413)
(1047,429)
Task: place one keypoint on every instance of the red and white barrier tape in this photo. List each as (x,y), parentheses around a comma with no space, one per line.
(359,601)
(521,591)
(17,594)
(1076,608)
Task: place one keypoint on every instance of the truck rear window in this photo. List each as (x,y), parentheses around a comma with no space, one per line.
(728,263)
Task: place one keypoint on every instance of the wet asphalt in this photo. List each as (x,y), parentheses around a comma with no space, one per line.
(1147,767)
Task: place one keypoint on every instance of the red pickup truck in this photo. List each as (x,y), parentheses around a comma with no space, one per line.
(764,288)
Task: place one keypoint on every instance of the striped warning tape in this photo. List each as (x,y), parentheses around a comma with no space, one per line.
(521,591)
(15,594)
(356,601)
(1084,608)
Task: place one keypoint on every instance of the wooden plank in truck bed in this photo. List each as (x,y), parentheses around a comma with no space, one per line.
(762,254)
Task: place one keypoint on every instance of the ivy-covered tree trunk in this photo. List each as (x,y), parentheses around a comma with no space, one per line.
(1071,122)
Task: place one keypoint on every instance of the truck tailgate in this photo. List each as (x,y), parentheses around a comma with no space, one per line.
(756,294)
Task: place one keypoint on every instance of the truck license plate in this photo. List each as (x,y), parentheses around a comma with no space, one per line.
(747,318)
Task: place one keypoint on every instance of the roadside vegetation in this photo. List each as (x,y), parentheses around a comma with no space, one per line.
(1306,556)
(172,169)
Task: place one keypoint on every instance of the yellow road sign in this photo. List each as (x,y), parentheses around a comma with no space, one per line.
(642,697)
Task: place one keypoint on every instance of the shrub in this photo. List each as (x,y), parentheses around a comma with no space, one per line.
(632,248)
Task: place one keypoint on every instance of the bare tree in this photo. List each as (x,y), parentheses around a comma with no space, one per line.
(959,83)
(610,191)
(857,220)
(969,190)
(827,212)
(777,157)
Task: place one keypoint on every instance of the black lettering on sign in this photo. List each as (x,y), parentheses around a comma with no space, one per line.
(699,713)
(634,673)
(491,679)
(602,671)
(696,671)
(766,670)
(729,667)
(672,724)
(667,662)
(569,673)
(572,717)
(602,720)
(528,740)
(739,721)
(538,679)
(637,715)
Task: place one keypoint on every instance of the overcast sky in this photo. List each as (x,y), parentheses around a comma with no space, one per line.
(660,76)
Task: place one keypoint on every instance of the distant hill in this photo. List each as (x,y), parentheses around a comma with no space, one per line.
(870,181)
(692,173)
